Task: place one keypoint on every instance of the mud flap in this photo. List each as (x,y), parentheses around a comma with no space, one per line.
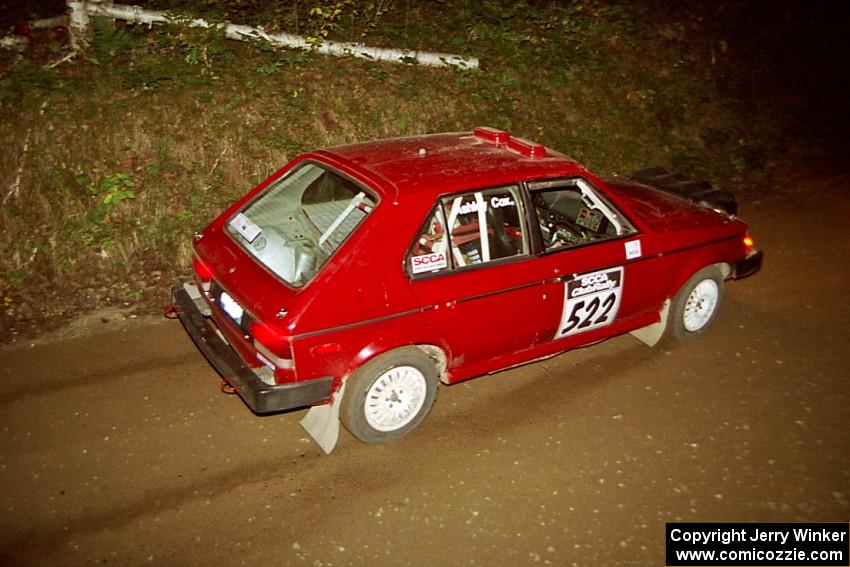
(651,334)
(322,422)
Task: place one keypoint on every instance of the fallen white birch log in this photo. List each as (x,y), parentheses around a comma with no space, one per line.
(22,42)
(81,10)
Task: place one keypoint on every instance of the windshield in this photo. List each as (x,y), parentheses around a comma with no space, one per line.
(298,223)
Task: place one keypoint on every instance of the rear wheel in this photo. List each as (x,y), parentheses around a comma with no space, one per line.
(389,396)
(695,305)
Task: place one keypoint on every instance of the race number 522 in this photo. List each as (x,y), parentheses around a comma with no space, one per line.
(591,301)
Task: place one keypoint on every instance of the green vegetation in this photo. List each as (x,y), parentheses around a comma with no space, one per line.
(112,161)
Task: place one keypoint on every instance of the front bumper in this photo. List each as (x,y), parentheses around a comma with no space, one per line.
(259,396)
(748,266)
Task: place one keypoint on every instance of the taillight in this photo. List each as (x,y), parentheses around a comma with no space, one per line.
(203,272)
(273,349)
(749,243)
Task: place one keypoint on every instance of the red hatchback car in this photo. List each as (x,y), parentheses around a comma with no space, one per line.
(357,277)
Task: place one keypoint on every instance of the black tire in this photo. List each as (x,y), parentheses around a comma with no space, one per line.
(692,312)
(367,411)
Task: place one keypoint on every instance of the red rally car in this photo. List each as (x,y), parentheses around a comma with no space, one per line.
(358,277)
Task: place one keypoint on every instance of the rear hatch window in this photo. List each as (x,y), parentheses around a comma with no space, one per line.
(296,224)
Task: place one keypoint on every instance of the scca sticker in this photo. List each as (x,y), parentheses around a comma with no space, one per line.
(591,301)
(429,262)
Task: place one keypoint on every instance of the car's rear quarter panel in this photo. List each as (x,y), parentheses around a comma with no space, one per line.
(364,306)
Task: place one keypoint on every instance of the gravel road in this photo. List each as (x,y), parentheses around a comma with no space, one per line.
(118,448)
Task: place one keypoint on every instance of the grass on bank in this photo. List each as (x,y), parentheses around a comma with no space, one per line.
(113,160)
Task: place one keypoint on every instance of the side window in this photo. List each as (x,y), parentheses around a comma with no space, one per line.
(469,229)
(484,226)
(430,252)
(571,214)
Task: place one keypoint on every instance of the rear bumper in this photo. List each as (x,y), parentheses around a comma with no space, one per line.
(259,396)
(748,266)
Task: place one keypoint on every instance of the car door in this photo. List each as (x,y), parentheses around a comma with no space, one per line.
(603,277)
(471,269)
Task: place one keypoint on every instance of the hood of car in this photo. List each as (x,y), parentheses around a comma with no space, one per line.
(662,211)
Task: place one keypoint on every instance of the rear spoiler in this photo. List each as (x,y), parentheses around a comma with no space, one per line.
(698,192)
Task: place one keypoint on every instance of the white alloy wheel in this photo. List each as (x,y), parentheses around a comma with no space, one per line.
(389,396)
(696,304)
(395,398)
(700,305)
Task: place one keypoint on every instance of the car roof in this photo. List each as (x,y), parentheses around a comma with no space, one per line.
(443,163)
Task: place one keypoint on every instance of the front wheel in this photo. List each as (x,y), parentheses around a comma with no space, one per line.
(389,396)
(695,305)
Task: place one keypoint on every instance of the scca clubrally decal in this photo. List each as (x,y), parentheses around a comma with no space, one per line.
(591,301)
